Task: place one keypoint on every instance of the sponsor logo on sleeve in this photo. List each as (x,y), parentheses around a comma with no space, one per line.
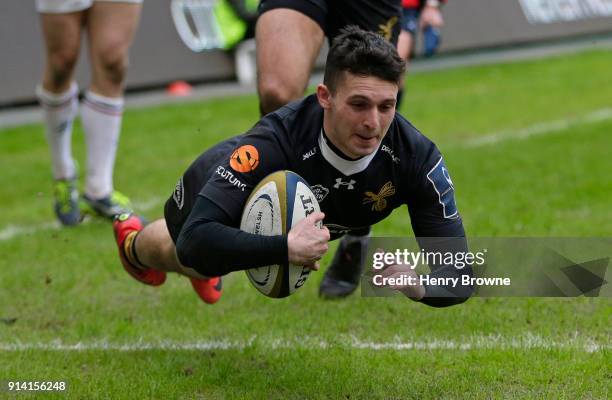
(179,194)
(229,177)
(378,200)
(244,159)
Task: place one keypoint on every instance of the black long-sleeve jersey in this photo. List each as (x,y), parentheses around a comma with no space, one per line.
(407,168)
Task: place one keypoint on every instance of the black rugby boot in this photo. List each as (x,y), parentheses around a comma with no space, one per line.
(343,275)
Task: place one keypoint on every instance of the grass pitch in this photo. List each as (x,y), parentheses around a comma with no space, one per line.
(528,146)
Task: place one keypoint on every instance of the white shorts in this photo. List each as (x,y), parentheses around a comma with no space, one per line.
(66,6)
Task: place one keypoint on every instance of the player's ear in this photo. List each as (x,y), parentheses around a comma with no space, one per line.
(324,96)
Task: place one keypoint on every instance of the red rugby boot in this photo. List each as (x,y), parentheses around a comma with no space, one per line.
(125,225)
(209,290)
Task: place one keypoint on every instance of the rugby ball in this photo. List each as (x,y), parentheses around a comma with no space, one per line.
(277,203)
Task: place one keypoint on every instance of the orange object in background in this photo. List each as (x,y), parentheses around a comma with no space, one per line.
(179,88)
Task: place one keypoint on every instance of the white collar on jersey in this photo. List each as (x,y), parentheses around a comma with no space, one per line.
(347,167)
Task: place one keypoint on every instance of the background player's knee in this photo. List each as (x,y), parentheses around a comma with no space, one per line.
(274,94)
(60,67)
(113,64)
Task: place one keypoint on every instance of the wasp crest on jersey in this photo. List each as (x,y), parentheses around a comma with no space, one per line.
(378,200)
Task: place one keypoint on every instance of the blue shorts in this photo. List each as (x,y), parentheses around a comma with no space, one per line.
(410,20)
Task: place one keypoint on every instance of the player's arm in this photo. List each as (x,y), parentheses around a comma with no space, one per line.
(431,15)
(210,244)
(438,227)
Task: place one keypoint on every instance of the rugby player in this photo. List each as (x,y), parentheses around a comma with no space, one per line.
(360,157)
(110,26)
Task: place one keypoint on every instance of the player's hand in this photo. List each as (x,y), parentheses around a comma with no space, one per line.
(415,292)
(307,242)
(431,16)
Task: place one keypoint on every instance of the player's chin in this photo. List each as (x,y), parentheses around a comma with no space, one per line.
(363,146)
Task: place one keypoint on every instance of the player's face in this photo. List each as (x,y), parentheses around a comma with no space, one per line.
(358,114)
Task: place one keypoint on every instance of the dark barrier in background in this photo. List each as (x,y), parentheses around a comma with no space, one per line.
(158,55)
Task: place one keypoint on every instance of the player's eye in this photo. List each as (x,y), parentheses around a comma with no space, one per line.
(386,107)
(359,105)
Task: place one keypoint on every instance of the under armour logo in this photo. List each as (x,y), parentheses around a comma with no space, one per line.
(349,184)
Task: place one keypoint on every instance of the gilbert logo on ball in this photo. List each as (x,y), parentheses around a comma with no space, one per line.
(244,159)
(277,203)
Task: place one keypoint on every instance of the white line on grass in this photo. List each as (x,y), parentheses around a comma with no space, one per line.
(541,128)
(525,342)
(12,231)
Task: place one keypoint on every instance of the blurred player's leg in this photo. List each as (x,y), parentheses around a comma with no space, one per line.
(344,273)
(58,95)
(288,43)
(404,45)
(111,27)
(405,41)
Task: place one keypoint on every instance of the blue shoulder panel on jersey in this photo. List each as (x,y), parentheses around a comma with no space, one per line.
(442,183)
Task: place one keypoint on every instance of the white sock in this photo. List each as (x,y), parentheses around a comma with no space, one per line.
(101,117)
(59,112)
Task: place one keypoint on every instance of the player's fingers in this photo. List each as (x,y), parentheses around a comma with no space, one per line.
(313,265)
(326,233)
(316,217)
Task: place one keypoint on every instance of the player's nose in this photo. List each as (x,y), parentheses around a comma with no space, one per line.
(370,120)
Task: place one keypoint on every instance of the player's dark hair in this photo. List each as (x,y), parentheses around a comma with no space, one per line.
(362,53)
